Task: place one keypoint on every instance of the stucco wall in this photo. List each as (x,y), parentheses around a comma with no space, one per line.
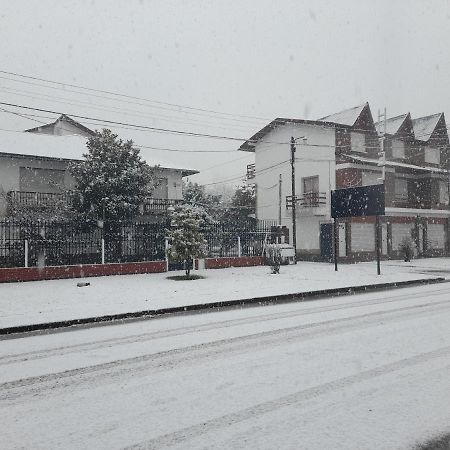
(272,158)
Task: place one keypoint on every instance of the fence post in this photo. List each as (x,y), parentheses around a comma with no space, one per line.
(166,252)
(239,246)
(103,250)
(26,252)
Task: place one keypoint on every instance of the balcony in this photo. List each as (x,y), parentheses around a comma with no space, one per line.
(35,199)
(313,199)
(309,204)
(158,205)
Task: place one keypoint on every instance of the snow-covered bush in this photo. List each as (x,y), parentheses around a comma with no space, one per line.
(186,239)
(273,257)
(407,248)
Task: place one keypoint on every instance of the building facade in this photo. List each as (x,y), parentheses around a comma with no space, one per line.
(346,150)
(34,173)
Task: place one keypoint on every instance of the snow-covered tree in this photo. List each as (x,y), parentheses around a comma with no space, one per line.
(186,239)
(195,194)
(113,180)
(243,203)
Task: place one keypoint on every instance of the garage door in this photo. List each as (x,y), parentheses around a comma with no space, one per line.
(436,235)
(363,237)
(399,232)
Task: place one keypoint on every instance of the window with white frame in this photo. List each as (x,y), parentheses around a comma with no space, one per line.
(398,149)
(443,192)
(370,178)
(401,189)
(358,141)
(432,156)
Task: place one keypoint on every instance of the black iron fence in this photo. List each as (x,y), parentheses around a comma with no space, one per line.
(49,243)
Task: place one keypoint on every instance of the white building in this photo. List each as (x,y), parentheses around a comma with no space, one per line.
(34,168)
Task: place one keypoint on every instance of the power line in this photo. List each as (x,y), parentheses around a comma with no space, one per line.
(115,94)
(117,109)
(145,127)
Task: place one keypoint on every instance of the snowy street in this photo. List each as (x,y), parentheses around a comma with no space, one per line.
(361,372)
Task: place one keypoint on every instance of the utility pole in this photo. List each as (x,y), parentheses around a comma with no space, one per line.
(294,200)
(382,163)
(280,190)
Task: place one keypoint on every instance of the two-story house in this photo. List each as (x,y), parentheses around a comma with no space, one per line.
(343,150)
(34,172)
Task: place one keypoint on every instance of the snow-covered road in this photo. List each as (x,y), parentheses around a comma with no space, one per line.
(362,372)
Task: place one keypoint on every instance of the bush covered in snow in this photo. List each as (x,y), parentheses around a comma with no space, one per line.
(186,239)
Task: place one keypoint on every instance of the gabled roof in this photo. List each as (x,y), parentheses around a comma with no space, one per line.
(61,119)
(393,124)
(249,145)
(425,126)
(56,148)
(346,117)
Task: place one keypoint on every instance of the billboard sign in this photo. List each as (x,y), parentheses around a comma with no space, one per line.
(358,201)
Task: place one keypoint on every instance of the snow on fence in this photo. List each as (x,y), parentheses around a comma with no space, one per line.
(48,243)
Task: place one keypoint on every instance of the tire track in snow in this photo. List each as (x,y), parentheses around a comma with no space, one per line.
(184,434)
(194,354)
(149,336)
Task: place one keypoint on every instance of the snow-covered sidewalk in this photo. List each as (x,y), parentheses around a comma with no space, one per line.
(48,301)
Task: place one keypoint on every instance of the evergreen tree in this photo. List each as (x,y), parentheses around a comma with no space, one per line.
(113,180)
(187,240)
(195,194)
(243,203)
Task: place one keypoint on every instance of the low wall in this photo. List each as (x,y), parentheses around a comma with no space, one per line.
(243,261)
(80,271)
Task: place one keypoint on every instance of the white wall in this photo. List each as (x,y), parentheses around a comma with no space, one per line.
(174,184)
(274,150)
(10,175)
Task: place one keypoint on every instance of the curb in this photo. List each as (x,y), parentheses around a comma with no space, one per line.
(283,298)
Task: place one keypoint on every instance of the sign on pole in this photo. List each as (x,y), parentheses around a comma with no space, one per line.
(358,202)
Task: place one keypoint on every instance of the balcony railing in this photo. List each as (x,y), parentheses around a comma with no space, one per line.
(36,199)
(313,199)
(158,205)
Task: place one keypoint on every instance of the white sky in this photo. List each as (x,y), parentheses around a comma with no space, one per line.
(289,58)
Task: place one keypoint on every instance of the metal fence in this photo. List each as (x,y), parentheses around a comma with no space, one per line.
(49,243)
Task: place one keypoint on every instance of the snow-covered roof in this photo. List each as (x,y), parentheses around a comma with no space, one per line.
(70,147)
(393,124)
(398,164)
(346,117)
(424,126)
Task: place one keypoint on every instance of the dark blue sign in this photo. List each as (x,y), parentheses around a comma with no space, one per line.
(359,201)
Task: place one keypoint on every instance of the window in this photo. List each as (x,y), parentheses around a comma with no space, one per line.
(358,142)
(443,192)
(398,149)
(401,189)
(310,190)
(33,179)
(432,156)
(370,178)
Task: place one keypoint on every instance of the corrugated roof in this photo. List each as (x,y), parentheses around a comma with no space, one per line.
(346,117)
(424,126)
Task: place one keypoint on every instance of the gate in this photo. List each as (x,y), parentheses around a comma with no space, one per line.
(326,242)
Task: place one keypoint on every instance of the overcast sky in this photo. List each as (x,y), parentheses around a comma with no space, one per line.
(260,58)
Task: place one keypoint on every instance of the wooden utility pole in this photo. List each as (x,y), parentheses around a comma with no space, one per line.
(294,200)
(280,190)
